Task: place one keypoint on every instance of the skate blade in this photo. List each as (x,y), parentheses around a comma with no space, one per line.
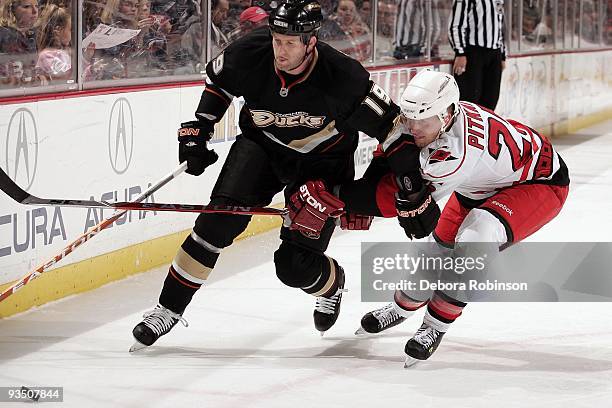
(410,362)
(137,346)
(363,333)
(322,333)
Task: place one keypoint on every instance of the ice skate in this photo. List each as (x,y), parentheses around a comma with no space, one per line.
(327,309)
(381,319)
(156,323)
(422,345)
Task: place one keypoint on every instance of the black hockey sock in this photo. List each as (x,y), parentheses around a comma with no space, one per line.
(177,292)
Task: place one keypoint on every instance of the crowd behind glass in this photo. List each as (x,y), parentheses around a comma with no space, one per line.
(171,40)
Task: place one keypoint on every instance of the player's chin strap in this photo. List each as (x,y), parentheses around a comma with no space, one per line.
(451,121)
(307,54)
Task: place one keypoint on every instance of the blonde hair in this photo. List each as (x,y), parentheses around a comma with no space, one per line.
(110,14)
(141,4)
(52,17)
(7,13)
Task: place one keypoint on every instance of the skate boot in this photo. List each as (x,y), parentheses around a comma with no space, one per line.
(327,309)
(156,323)
(381,319)
(422,345)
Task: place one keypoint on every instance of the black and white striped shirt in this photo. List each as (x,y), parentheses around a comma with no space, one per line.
(479,23)
(413,20)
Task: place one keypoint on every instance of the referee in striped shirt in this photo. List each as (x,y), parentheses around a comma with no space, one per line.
(476,33)
(411,27)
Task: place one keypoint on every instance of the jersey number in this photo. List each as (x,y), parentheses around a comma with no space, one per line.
(376,96)
(499,132)
(217,64)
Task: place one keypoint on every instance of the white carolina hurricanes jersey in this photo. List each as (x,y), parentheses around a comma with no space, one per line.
(483,153)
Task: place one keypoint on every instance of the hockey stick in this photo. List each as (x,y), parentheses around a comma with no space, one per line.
(18,194)
(93,231)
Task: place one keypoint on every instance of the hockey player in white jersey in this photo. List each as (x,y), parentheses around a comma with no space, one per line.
(506,181)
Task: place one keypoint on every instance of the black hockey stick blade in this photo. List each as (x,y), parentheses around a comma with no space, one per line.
(21,196)
(18,194)
(13,190)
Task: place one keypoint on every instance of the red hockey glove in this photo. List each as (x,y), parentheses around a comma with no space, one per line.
(350,221)
(309,208)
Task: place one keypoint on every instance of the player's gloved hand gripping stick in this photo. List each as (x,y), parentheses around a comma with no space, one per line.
(310,207)
(193,137)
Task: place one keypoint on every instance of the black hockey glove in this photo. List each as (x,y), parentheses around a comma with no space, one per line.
(192,137)
(417,213)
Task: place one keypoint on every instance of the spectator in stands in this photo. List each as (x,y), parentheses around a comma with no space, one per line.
(536,34)
(182,13)
(193,42)
(329,26)
(365,11)
(267,5)
(112,63)
(232,21)
(120,13)
(18,42)
(219,10)
(53,42)
(152,39)
(350,19)
(250,19)
(351,35)
(590,23)
(387,12)
(67,4)
(607,24)
(92,10)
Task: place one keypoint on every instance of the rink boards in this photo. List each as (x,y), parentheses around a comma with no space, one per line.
(112,146)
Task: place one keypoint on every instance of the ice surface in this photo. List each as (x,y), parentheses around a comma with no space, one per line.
(251,340)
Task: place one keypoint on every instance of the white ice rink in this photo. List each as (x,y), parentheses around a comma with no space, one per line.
(251,340)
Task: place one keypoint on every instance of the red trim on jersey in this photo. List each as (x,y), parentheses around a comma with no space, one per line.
(378,152)
(396,148)
(333,144)
(223,97)
(464,149)
(306,74)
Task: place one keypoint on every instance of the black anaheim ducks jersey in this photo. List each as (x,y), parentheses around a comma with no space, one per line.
(318,111)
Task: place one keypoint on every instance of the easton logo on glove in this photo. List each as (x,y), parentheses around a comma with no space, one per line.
(310,207)
(188,131)
(310,200)
(417,211)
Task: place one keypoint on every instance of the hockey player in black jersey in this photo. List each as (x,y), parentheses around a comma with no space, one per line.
(304,105)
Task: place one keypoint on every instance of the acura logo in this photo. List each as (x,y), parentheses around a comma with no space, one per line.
(22,148)
(120,135)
